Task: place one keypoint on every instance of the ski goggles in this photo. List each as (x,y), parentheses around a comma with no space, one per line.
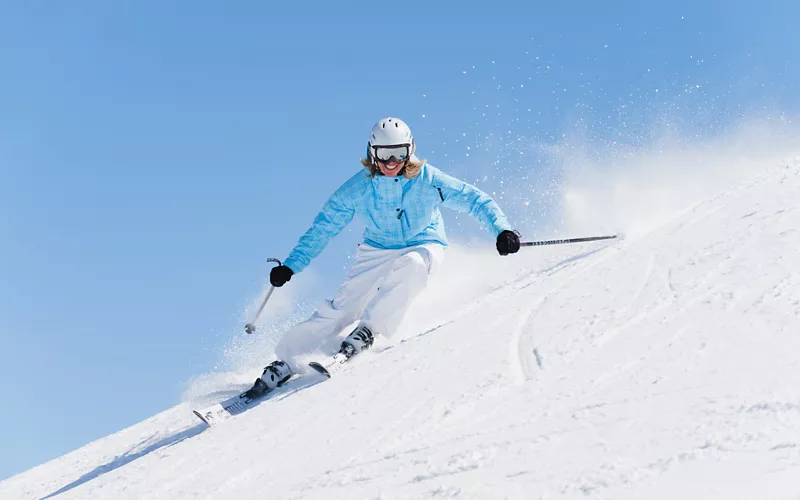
(398,153)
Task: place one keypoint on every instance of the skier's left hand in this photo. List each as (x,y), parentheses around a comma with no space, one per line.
(507,242)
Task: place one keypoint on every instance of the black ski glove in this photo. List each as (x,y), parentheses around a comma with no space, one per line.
(507,242)
(280,275)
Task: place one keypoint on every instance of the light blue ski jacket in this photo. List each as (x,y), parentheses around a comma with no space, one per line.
(398,212)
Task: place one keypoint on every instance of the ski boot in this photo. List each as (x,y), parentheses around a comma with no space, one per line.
(275,375)
(359,339)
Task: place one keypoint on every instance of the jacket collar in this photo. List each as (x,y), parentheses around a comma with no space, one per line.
(382,179)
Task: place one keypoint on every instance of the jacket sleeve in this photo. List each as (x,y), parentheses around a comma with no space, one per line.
(337,212)
(458,195)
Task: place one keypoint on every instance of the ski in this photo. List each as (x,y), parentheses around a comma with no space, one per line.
(220,412)
(337,362)
(225,410)
(331,365)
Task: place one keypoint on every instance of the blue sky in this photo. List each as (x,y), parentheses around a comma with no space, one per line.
(153,154)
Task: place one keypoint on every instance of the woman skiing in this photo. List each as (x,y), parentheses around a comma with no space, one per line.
(398,198)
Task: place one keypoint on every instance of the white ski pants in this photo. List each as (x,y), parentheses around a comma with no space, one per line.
(378,290)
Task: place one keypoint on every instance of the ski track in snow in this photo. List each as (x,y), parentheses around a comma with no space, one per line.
(662,366)
(523,346)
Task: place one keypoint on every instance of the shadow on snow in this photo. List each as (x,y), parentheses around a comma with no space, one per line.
(130,456)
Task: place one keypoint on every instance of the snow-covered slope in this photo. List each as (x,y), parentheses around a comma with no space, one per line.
(665,365)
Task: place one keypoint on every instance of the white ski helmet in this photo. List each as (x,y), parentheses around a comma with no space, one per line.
(390,132)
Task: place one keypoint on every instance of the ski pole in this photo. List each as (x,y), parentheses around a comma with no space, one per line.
(251,327)
(561,242)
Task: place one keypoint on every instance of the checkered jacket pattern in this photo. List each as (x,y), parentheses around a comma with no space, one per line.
(398,212)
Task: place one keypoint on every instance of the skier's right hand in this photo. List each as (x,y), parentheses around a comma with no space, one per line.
(507,242)
(280,275)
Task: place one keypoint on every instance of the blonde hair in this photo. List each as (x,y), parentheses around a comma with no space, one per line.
(410,170)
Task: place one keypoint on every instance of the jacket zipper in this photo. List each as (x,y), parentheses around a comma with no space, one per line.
(400,216)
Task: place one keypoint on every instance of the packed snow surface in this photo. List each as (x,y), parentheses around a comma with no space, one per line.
(665,365)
